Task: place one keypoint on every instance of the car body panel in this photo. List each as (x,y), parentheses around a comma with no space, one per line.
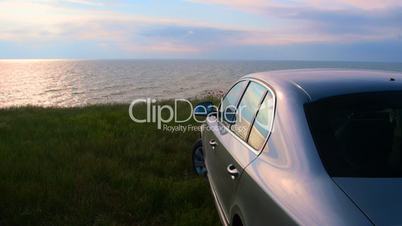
(228,150)
(381,198)
(286,183)
(321,83)
(294,179)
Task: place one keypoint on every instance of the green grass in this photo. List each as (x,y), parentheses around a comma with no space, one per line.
(94,166)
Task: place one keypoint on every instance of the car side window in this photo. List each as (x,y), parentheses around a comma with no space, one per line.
(262,123)
(230,101)
(247,109)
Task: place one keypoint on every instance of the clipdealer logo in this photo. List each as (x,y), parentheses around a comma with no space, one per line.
(162,114)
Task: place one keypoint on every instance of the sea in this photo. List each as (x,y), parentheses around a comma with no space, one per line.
(68,83)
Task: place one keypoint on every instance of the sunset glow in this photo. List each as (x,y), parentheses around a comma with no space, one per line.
(252,29)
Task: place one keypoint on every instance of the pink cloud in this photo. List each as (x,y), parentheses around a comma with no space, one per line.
(47,21)
(359,4)
(261,5)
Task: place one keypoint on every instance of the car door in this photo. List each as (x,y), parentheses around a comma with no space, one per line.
(211,136)
(227,152)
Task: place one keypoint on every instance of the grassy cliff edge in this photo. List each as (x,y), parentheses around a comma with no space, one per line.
(94,166)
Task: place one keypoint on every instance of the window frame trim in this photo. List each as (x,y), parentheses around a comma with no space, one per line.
(237,101)
(269,89)
(256,112)
(255,117)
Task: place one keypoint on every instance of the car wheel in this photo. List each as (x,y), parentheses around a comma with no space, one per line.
(198,159)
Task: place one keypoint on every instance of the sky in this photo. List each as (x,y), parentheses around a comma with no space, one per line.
(339,30)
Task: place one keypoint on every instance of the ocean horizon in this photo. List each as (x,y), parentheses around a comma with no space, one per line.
(69,82)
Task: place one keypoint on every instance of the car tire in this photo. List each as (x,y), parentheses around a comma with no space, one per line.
(198,159)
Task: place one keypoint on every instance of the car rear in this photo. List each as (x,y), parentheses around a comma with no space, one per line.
(359,139)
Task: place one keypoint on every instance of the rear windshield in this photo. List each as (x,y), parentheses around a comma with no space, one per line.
(359,135)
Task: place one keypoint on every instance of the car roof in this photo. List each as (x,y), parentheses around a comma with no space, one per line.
(321,83)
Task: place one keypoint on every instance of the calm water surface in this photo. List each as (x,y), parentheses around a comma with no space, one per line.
(67,83)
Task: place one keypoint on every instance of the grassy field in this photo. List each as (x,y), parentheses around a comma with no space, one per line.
(94,166)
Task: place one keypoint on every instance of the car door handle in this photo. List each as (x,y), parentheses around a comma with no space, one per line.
(233,172)
(213,144)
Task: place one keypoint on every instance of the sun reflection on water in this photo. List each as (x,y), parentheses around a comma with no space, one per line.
(65,83)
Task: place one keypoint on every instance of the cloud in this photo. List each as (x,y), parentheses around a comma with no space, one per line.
(194,35)
(337,21)
(48,21)
(357,4)
(257,5)
(292,22)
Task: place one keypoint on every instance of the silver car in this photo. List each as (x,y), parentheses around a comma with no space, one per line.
(305,147)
